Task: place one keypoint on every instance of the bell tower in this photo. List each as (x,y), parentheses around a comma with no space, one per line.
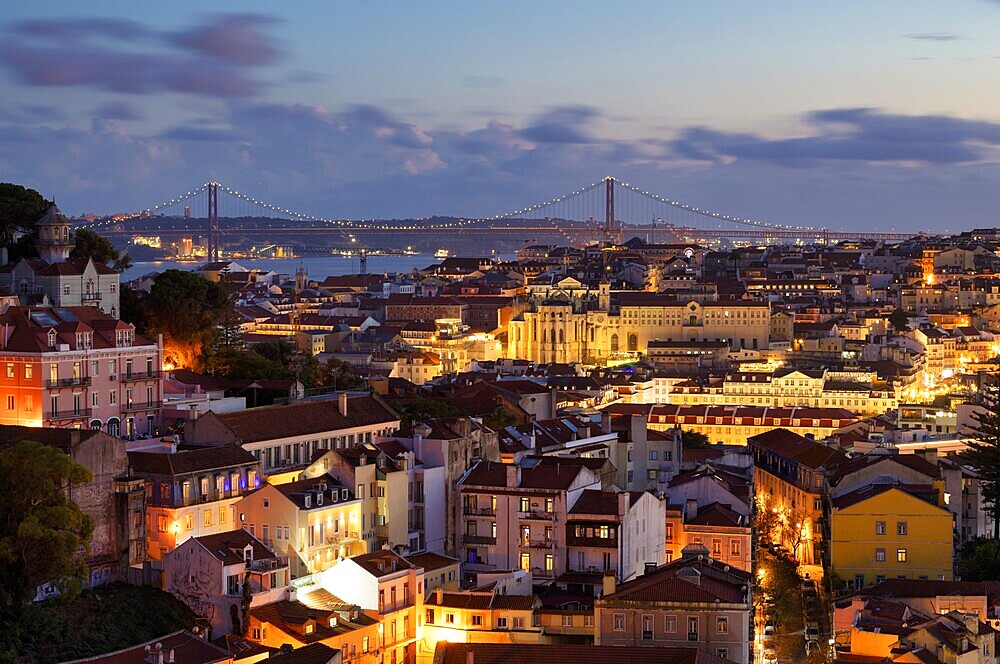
(54,239)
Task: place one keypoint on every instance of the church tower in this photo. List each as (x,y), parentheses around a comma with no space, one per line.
(54,239)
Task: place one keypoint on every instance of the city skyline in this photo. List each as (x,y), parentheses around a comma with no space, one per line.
(846,118)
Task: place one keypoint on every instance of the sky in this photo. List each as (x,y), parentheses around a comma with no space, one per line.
(846,115)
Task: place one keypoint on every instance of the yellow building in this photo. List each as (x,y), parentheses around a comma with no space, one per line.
(886,531)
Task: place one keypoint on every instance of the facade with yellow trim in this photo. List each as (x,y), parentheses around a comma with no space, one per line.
(888,531)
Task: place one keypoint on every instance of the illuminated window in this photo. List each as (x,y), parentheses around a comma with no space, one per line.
(900,555)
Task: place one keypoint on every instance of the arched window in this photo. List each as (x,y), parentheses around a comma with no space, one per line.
(591,335)
(633,342)
(562,337)
(614,343)
(114,426)
(545,336)
(96,425)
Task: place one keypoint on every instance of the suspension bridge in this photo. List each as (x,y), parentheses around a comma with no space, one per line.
(604,210)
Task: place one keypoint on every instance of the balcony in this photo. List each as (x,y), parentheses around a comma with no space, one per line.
(75,414)
(268,565)
(479,511)
(478,539)
(537,515)
(599,542)
(141,375)
(537,544)
(78,381)
(90,297)
(135,406)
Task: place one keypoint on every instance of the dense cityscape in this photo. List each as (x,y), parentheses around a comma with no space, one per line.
(499,333)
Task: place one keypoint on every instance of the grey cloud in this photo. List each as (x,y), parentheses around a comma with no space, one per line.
(67,52)
(933,36)
(209,134)
(235,38)
(563,124)
(858,134)
(119,110)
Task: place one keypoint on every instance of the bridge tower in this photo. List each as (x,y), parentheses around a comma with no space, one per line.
(611,231)
(213,221)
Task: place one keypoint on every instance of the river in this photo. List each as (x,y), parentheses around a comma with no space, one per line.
(318,267)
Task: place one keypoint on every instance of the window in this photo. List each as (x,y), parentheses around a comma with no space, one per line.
(880,527)
(880,555)
(429,617)
(501,623)
(222,514)
(549,505)
(900,527)
(526,561)
(10,370)
(653,455)
(647,628)
(364,644)
(189,521)
(716,548)
(548,562)
(692,628)
(900,555)
(619,622)
(518,623)
(525,504)
(670,624)
(670,532)
(722,625)
(734,547)
(588,621)
(567,620)
(449,618)
(28,371)
(723,653)
(208,518)
(477,621)
(161,523)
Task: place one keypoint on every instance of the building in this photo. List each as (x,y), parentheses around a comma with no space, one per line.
(691,602)
(192,493)
(319,617)
(314,522)
(207,573)
(397,494)
(57,279)
(455,444)
(735,424)
(285,438)
(386,584)
(582,330)
(486,615)
(608,532)
(790,478)
(512,514)
(114,501)
(181,647)
(530,653)
(890,530)
(76,367)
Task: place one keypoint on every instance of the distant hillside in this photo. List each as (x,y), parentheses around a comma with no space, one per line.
(105,619)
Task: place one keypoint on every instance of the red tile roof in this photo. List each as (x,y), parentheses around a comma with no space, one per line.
(685,580)
(189,461)
(187,648)
(382,562)
(228,547)
(594,501)
(305,417)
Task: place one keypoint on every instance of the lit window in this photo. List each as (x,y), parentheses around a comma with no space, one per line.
(900,555)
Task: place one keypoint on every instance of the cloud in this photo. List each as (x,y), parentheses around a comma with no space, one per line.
(118,110)
(563,124)
(235,38)
(854,134)
(215,58)
(934,36)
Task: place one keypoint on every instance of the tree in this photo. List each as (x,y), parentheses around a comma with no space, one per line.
(43,534)
(694,440)
(20,208)
(980,560)
(186,308)
(245,602)
(984,452)
(899,320)
(97,248)
(501,418)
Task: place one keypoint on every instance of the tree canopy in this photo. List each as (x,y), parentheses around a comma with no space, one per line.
(899,320)
(186,309)
(99,249)
(984,452)
(43,534)
(980,560)
(20,208)
(694,440)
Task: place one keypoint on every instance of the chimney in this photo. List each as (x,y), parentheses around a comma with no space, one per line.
(342,403)
(439,597)
(605,422)
(193,412)
(623,500)
(609,583)
(690,509)
(554,402)
(513,476)
(470,657)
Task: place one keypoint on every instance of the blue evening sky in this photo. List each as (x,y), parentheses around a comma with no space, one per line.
(844,114)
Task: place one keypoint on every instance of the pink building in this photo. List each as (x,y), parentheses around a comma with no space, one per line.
(76,367)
